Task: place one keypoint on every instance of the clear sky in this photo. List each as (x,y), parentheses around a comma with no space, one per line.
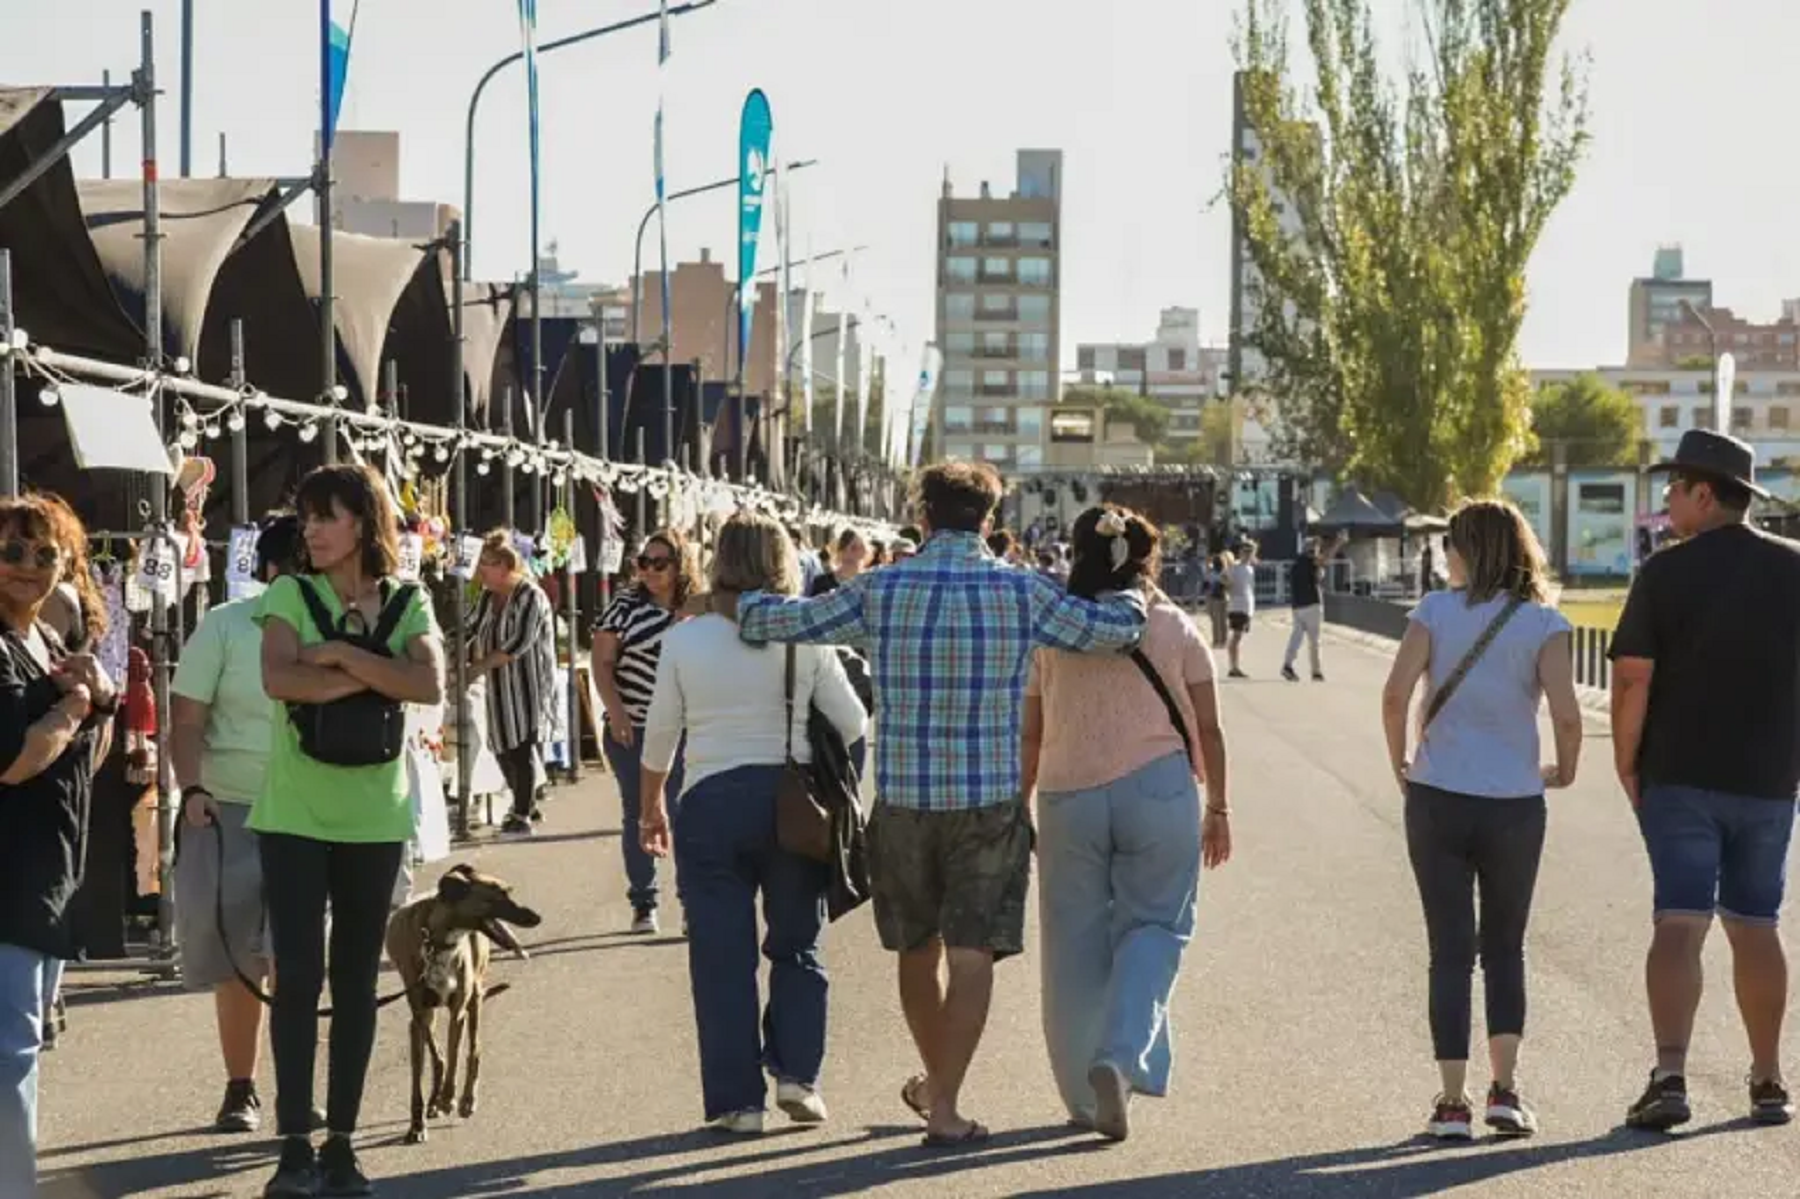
(1689,115)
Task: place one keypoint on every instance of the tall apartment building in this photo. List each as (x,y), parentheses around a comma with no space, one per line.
(365,192)
(703,305)
(1760,347)
(1660,301)
(1173,368)
(999,279)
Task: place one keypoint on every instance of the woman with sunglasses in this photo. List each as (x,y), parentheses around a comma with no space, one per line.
(515,634)
(53,711)
(627,646)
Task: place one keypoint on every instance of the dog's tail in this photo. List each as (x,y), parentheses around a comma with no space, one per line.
(496,989)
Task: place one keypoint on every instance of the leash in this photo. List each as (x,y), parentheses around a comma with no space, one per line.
(249,983)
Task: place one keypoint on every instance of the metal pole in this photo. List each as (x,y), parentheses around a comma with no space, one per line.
(572,601)
(240,436)
(668,376)
(223,172)
(742,401)
(106,134)
(538,415)
(390,383)
(605,454)
(159,487)
(9,399)
(187,87)
(465,761)
(643,494)
(506,466)
(468,221)
(327,327)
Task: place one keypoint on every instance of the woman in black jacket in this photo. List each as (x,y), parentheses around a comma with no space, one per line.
(53,705)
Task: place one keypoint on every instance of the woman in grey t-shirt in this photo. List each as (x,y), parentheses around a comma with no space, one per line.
(1489,649)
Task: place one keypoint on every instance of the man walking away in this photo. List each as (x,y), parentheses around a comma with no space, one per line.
(1705,708)
(950,634)
(220,752)
(1306,585)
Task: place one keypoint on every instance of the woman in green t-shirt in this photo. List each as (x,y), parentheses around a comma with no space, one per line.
(334,832)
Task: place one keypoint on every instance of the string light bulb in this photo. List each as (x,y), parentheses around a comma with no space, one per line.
(271,419)
(308,431)
(482,467)
(441,453)
(49,397)
(188,439)
(212,429)
(235,422)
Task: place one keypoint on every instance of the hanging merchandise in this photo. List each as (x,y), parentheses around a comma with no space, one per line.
(468,551)
(114,648)
(156,571)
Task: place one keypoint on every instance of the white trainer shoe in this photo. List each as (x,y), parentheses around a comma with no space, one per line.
(748,1122)
(803,1104)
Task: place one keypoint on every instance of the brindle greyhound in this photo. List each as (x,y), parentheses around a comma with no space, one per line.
(441,946)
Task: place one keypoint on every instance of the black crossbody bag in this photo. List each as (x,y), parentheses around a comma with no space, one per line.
(1168,699)
(368,728)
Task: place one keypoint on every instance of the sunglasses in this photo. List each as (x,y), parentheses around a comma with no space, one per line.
(15,553)
(654,562)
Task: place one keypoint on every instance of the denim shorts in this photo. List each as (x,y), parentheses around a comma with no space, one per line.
(1713,852)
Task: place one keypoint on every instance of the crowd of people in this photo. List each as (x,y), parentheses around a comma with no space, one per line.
(1014,715)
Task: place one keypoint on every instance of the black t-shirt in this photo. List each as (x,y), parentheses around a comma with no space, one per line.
(1719,615)
(1303,581)
(43,820)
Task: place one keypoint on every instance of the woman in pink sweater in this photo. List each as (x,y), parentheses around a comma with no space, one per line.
(1117,746)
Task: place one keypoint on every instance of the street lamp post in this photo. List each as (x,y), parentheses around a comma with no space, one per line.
(678,10)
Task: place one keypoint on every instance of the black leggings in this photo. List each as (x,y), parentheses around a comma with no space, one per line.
(519,766)
(299,875)
(1455,841)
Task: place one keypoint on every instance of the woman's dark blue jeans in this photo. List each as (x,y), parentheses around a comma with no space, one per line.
(726,852)
(627,763)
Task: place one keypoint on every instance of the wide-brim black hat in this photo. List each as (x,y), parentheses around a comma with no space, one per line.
(1718,455)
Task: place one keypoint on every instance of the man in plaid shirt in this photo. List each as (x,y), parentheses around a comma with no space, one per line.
(949,635)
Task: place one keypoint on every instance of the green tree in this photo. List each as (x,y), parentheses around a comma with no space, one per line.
(1147,418)
(1597,424)
(1388,226)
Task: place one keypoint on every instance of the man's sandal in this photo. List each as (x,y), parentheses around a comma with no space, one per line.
(975,1134)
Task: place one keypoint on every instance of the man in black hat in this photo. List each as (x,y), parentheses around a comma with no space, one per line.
(1705,712)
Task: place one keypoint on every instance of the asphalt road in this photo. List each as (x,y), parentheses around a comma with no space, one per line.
(1303,1063)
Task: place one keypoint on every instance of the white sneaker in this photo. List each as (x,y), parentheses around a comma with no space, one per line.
(643,922)
(748,1122)
(803,1104)
(1112,1101)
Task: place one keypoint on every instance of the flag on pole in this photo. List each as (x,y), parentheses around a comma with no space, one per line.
(843,331)
(335,49)
(784,286)
(806,337)
(921,404)
(662,197)
(528,34)
(756,126)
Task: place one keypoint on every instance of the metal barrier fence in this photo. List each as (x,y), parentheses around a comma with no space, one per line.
(1593,661)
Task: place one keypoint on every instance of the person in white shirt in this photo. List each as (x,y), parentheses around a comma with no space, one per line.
(729,698)
(1240,600)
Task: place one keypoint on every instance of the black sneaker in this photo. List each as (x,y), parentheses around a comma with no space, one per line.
(339,1172)
(1663,1105)
(1451,1119)
(1318,676)
(1238,674)
(241,1110)
(296,1174)
(1507,1114)
(516,826)
(1770,1102)
(1287,672)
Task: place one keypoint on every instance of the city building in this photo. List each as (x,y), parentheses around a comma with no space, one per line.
(999,278)
(1774,346)
(365,190)
(565,296)
(1246,368)
(1173,369)
(703,304)
(1660,301)
(1765,406)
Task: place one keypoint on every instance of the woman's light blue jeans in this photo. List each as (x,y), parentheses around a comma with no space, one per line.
(1119,874)
(24,994)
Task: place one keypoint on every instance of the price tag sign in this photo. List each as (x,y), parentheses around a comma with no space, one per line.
(578,563)
(156,569)
(468,552)
(412,557)
(240,563)
(612,555)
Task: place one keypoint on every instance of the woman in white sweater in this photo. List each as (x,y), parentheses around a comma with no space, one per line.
(729,699)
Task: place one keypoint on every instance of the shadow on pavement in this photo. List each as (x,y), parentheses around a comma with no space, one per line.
(1409,1170)
(763,1166)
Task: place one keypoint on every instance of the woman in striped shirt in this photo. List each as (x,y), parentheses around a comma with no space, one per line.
(515,638)
(627,645)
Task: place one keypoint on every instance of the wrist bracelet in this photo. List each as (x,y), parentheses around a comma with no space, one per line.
(1212,811)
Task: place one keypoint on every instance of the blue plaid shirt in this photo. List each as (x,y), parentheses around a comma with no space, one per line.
(949,634)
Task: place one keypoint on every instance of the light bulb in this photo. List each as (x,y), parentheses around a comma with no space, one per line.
(272,419)
(514,459)
(189,420)
(308,431)
(482,468)
(183,366)
(188,439)
(49,397)
(235,422)
(441,453)
(212,430)
(339,392)
(528,466)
